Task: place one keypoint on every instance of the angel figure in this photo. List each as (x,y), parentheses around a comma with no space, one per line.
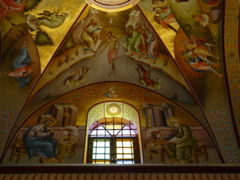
(212,17)
(163,14)
(146,80)
(199,47)
(90,35)
(48,19)
(75,77)
(198,64)
(22,70)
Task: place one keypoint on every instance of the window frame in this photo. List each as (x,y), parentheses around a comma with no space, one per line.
(113,139)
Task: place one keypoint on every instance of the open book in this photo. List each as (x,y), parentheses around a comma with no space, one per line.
(175,140)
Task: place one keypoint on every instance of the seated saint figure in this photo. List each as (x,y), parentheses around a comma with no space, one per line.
(38,140)
(180,146)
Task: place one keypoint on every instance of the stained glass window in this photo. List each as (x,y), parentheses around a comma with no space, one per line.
(115,142)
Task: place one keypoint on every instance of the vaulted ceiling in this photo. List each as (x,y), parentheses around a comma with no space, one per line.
(159,51)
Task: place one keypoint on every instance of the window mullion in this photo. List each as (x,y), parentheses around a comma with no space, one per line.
(121,148)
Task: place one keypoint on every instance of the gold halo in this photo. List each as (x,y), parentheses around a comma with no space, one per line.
(169,119)
(43,119)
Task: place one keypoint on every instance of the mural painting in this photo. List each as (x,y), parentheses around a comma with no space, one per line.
(110,88)
(60,127)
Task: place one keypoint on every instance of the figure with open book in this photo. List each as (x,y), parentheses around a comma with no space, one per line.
(180,146)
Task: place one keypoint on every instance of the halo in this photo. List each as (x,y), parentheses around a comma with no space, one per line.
(111,88)
(43,119)
(155,11)
(169,119)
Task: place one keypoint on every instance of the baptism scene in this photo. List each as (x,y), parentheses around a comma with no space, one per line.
(123,82)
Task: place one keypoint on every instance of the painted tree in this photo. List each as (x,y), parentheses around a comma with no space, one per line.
(32,4)
(43,39)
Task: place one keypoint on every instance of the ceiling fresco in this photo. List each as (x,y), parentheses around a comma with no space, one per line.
(161,63)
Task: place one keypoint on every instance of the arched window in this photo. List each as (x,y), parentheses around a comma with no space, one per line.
(113,138)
